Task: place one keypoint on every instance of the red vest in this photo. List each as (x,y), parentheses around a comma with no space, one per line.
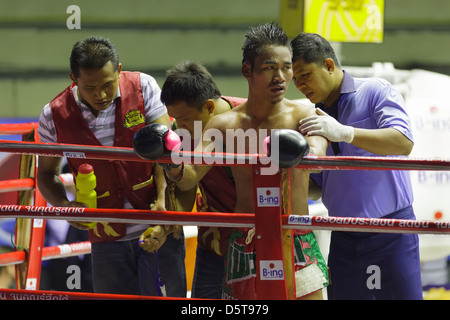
(235,101)
(115,179)
(218,194)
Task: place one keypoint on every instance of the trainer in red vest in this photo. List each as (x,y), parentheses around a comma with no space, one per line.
(115,178)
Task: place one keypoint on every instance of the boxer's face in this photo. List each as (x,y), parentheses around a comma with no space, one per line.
(271,73)
(98,87)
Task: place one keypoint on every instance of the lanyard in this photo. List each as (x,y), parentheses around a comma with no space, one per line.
(159,284)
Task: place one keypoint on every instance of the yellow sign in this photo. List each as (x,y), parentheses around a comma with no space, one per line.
(291,16)
(345,20)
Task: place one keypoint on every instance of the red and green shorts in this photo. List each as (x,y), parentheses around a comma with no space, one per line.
(311,270)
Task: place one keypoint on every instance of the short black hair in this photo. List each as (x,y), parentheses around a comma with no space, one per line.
(261,36)
(312,47)
(190,82)
(93,53)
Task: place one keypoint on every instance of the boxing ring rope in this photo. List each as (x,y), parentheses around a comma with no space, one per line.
(48,253)
(223,219)
(308,162)
(268,235)
(18,294)
(17,128)
(17,185)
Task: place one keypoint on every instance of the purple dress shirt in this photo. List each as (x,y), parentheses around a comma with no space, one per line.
(371,104)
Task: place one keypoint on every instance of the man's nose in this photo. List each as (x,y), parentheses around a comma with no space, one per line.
(100,94)
(279,76)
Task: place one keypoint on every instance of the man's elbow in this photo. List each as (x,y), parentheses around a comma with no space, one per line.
(407,148)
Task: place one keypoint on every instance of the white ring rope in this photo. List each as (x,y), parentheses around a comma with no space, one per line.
(221,219)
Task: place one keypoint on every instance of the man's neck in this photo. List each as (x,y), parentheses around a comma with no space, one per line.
(262,110)
(80,98)
(338,79)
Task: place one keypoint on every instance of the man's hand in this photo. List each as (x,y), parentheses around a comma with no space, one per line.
(154,237)
(324,125)
(159,205)
(79,224)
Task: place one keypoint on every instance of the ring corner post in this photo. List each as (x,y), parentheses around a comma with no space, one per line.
(270,271)
(34,261)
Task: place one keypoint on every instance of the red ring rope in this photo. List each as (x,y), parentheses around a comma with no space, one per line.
(222,219)
(48,253)
(17,128)
(16,185)
(216,219)
(15,294)
(229,159)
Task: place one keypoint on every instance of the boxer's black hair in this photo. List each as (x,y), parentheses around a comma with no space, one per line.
(260,36)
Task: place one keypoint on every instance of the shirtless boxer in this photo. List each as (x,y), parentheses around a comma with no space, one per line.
(267,67)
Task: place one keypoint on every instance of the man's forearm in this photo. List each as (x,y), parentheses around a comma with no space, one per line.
(53,190)
(187,176)
(386,141)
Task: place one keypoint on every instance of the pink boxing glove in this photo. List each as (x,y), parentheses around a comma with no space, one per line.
(172,141)
(266,144)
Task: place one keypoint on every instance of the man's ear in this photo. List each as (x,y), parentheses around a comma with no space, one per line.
(210,106)
(73,78)
(246,69)
(329,64)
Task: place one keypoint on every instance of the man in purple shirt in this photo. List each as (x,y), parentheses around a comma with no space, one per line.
(360,117)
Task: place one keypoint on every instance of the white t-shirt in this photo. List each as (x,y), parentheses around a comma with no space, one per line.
(103,125)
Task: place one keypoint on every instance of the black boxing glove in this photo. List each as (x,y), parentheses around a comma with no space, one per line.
(153,140)
(292,147)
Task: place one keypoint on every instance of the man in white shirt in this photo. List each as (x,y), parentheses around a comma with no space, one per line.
(106,106)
